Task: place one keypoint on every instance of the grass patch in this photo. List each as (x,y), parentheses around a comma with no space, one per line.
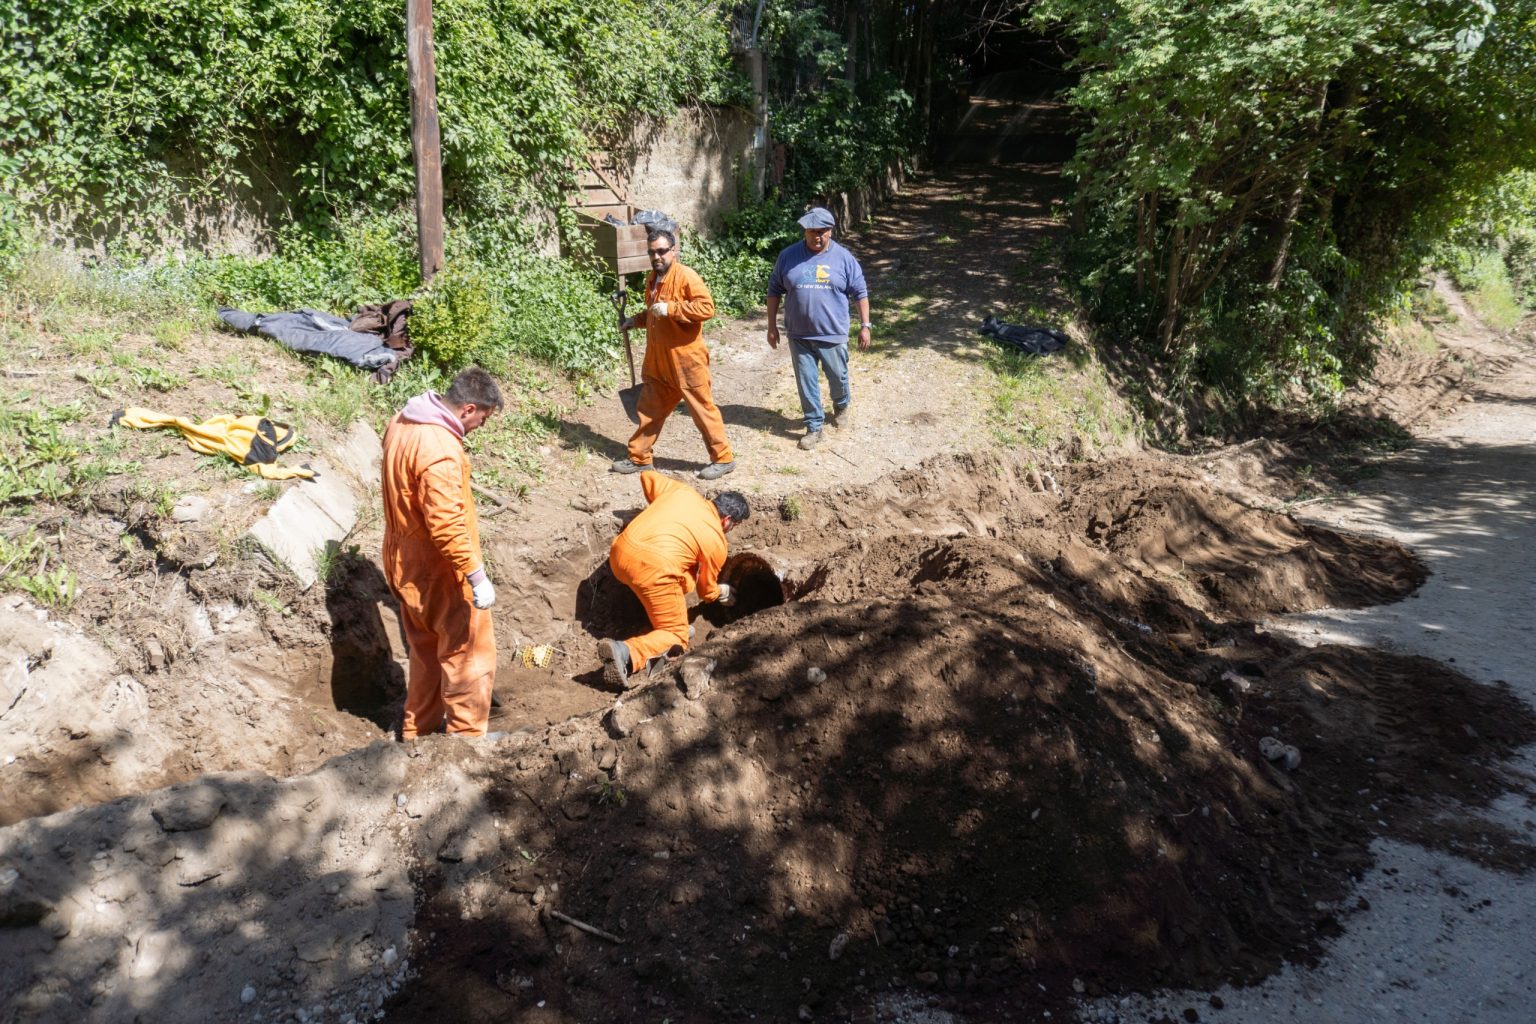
(1040,402)
(1484,278)
(42,461)
(27,564)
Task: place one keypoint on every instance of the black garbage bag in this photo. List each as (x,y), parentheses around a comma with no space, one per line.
(1032,341)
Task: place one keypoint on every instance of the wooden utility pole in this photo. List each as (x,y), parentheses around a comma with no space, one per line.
(425,141)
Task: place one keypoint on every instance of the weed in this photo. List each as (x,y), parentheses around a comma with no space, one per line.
(331,561)
(336,396)
(171,334)
(39,461)
(508,448)
(158,498)
(790,471)
(88,342)
(269,490)
(153,378)
(270,601)
(609,792)
(24,566)
(790,509)
(101,380)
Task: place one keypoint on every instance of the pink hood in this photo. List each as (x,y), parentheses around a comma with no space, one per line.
(428,407)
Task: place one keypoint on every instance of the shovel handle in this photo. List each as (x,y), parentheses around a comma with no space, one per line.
(630,352)
(620,300)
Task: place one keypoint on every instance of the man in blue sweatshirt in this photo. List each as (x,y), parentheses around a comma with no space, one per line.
(815,278)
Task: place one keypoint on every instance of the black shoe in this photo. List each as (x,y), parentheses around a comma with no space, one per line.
(716,470)
(626,467)
(614,655)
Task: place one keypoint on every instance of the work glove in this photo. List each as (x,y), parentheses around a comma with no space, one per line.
(659,309)
(480,583)
(727,595)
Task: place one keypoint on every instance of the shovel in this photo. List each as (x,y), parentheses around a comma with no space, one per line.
(628,397)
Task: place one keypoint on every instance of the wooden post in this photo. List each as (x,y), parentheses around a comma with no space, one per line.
(425,141)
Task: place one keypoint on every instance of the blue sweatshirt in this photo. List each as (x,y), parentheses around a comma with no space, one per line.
(817,288)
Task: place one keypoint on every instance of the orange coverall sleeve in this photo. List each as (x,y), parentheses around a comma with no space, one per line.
(710,562)
(655,485)
(695,304)
(445,507)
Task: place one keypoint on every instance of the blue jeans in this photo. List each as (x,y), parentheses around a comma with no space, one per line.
(807,356)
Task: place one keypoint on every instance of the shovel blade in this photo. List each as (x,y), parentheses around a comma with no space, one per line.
(630,398)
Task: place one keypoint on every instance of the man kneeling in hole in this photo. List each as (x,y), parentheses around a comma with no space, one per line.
(676,544)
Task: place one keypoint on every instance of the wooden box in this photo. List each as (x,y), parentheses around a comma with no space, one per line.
(620,248)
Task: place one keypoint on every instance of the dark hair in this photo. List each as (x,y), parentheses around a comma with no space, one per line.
(474,386)
(652,234)
(732,504)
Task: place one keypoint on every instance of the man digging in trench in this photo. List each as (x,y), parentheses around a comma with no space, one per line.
(676,544)
(432,557)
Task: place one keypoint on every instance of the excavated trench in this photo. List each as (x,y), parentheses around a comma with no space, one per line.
(989,743)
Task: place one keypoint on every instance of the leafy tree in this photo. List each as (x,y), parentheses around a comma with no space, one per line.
(115,112)
(1257,177)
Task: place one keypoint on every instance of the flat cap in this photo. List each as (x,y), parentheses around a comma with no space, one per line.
(816,218)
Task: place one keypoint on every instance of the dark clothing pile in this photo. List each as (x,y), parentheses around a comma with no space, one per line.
(1032,341)
(375,339)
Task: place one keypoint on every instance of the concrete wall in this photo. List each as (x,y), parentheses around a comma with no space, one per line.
(691,168)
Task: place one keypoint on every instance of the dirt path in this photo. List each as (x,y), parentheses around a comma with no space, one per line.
(1437,936)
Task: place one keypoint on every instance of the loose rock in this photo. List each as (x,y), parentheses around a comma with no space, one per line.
(189,808)
(697,674)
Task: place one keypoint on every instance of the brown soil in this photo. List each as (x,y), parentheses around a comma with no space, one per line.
(1000,759)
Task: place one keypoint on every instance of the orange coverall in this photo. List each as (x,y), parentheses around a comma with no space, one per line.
(431,542)
(677,364)
(674,545)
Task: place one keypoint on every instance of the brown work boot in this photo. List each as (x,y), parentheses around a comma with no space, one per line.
(811,439)
(842,419)
(615,658)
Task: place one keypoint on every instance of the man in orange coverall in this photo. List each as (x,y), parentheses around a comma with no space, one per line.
(432,557)
(676,544)
(676,359)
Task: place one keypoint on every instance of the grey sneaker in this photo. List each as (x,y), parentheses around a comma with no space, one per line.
(625,466)
(842,419)
(716,470)
(614,655)
(811,439)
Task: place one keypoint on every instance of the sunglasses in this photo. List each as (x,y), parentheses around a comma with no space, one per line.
(659,252)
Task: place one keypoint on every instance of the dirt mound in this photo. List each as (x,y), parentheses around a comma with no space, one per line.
(998,764)
(963,736)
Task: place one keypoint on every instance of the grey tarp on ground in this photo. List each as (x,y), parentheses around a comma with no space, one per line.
(309,330)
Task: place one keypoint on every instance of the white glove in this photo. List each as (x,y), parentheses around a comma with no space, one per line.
(659,309)
(727,595)
(480,583)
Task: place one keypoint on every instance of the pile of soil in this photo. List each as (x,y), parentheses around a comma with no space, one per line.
(997,764)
